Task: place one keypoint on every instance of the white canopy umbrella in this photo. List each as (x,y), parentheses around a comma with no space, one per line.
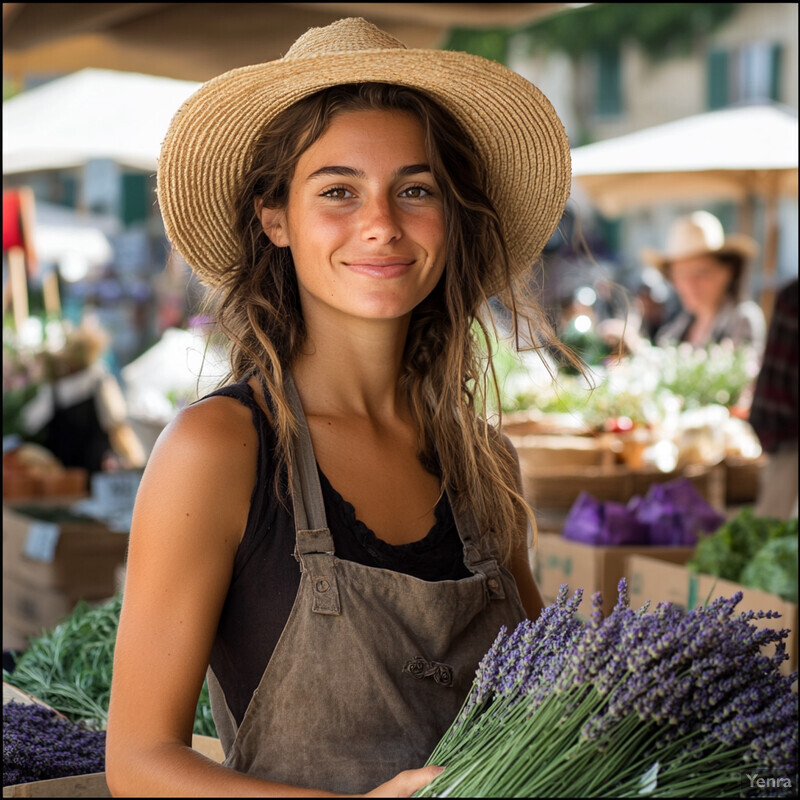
(727,154)
(90,114)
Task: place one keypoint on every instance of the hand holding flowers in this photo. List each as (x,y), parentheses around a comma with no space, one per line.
(665,703)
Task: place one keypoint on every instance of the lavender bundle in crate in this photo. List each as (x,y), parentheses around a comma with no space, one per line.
(39,744)
(665,703)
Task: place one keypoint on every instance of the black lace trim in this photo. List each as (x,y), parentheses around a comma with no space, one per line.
(376,546)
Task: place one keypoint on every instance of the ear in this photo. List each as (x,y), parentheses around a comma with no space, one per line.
(273,223)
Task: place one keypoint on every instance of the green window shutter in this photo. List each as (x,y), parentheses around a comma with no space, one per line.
(610,232)
(134,198)
(776,52)
(69,191)
(718,89)
(726,212)
(609,82)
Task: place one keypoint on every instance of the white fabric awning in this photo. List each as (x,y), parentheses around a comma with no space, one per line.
(90,114)
(729,154)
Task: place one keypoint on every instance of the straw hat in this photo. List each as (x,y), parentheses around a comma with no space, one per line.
(512,124)
(699,234)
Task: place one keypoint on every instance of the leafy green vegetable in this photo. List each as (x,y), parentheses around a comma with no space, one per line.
(774,568)
(730,550)
(69,667)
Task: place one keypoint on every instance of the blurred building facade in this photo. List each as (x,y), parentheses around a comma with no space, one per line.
(752,57)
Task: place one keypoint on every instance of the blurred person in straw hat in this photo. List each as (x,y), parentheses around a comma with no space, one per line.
(336,533)
(708,271)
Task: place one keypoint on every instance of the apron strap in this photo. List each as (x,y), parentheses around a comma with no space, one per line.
(309,508)
(313,541)
(467,525)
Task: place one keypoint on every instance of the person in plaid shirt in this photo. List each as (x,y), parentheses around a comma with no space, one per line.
(774,409)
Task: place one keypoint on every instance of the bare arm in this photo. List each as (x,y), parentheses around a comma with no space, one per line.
(189,518)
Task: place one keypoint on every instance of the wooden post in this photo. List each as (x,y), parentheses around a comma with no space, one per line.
(52,300)
(18,278)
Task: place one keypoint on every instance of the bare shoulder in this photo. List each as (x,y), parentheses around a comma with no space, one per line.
(214,436)
(215,423)
(203,467)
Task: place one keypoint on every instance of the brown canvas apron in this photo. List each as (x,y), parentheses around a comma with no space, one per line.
(372,666)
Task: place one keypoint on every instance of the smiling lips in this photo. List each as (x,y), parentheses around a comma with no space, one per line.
(392,267)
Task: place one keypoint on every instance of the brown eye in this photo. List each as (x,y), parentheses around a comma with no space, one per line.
(415,192)
(337,193)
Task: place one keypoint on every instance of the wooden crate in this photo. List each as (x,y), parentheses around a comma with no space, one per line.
(742,478)
(559,488)
(540,453)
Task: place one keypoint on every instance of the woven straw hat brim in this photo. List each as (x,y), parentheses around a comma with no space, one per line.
(513,125)
(735,244)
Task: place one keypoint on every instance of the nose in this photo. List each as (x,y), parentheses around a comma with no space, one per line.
(380,220)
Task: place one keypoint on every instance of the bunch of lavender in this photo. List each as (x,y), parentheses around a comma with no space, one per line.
(665,703)
(39,744)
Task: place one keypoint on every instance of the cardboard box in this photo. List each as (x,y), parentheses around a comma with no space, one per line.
(656,581)
(28,610)
(48,546)
(557,560)
(94,784)
(653,580)
(52,559)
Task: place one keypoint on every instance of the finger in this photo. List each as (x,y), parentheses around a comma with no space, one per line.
(414,779)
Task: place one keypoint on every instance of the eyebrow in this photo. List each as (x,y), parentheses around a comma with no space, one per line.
(351,172)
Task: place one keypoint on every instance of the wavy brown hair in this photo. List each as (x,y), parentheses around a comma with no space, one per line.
(446,377)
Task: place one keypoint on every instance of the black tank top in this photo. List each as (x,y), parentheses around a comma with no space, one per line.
(266,575)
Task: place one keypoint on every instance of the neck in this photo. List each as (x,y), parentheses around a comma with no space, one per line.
(707,314)
(704,316)
(352,368)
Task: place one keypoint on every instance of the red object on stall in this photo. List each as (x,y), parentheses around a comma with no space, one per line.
(13,235)
(18,223)
(18,247)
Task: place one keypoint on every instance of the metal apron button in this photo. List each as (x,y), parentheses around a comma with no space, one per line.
(322,585)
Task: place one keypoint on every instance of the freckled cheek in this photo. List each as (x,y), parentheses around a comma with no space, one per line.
(430,233)
(319,237)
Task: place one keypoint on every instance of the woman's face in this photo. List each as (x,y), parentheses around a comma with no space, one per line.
(364,219)
(701,283)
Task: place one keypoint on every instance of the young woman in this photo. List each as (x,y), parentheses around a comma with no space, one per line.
(708,272)
(336,536)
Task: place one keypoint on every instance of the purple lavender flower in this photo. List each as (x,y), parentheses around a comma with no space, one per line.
(38,744)
(692,691)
